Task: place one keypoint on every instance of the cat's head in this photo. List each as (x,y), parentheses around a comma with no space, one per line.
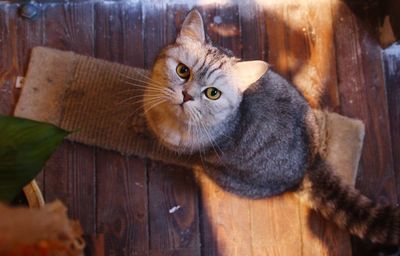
(196,89)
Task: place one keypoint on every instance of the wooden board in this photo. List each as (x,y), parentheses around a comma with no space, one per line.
(126,204)
(64,177)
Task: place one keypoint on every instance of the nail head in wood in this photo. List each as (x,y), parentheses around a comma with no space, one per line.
(29,11)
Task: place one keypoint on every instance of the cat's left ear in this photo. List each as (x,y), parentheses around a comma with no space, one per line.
(193,27)
(248,72)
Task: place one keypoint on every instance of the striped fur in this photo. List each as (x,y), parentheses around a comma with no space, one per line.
(347,207)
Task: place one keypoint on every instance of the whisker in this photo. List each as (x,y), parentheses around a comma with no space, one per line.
(214,146)
(143,76)
(226,136)
(138,74)
(145,86)
(154,105)
(148,81)
(141,109)
(141,99)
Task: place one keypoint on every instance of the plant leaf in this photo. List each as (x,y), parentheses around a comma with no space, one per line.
(25,146)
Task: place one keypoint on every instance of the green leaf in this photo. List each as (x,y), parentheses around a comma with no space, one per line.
(25,146)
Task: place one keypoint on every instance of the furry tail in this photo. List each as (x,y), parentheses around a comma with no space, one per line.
(347,207)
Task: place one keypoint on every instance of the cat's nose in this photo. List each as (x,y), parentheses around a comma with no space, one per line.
(186,96)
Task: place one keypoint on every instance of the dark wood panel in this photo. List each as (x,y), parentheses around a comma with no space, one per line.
(154,33)
(8,58)
(173,209)
(225,24)
(122,202)
(122,189)
(391,58)
(69,27)
(94,245)
(70,174)
(132,24)
(254,36)
(362,90)
(362,95)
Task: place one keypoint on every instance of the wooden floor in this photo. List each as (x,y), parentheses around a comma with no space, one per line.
(126,205)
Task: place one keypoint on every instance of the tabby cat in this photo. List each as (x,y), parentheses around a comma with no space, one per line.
(251,130)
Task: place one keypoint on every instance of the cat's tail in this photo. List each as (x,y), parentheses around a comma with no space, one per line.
(323,191)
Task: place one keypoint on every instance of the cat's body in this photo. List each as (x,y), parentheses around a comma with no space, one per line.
(249,126)
(270,138)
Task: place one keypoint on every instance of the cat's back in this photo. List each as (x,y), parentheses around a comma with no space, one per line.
(271,141)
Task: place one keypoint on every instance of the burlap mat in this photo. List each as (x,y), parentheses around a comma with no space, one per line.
(95,99)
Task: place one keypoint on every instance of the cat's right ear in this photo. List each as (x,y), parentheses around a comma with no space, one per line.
(248,72)
(192,27)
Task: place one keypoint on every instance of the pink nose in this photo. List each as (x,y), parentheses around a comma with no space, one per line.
(186,96)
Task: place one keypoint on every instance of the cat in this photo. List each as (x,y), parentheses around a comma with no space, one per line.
(252,131)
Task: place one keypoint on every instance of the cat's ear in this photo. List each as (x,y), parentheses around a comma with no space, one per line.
(193,27)
(248,72)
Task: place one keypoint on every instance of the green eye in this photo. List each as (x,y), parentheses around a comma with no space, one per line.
(212,93)
(183,71)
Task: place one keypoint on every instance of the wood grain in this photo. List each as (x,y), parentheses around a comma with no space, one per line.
(70,173)
(362,90)
(8,58)
(362,95)
(311,52)
(173,197)
(391,58)
(123,203)
(118,183)
(122,211)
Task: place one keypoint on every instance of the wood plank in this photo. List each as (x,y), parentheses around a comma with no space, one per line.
(275,19)
(94,245)
(173,209)
(32,32)
(225,220)
(155,37)
(8,58)
(70,173)
(132,24)
(361,87)
(120,186)
(311,51)
(169,186)
(226,25)
(391,58)
(122,208)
